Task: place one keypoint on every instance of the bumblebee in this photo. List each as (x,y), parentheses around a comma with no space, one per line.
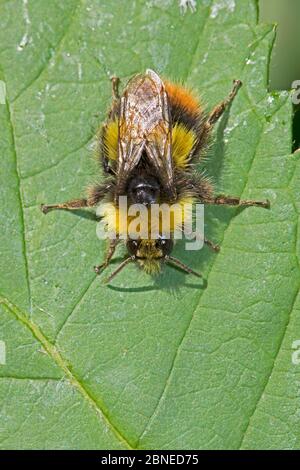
(155,133)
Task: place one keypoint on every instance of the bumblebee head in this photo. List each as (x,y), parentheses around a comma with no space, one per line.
(150,254)
(154,249)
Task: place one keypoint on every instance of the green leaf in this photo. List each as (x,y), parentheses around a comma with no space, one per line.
(147,363)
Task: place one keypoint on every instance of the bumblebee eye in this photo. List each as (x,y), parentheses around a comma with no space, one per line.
(132,246)
(166,246)
(160,243)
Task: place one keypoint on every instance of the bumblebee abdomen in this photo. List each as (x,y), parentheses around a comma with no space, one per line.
(185,108)
(189,136)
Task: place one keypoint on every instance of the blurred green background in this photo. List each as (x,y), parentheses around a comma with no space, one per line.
(285,61)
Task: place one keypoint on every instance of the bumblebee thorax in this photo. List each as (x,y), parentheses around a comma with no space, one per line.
(143,190)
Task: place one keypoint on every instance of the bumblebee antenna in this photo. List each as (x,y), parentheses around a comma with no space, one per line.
(120,267)
(175,262)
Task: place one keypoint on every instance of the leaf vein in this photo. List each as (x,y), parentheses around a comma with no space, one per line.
(62,364)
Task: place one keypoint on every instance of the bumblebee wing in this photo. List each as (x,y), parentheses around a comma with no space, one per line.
(145,125)
(159,137)
(130,143)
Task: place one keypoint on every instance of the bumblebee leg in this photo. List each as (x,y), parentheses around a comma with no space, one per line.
(236,201)
(120,267)
(109,255)
(95,194)
(211,245)
(220,108)
(69,205)
(176,262)
(115,81)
